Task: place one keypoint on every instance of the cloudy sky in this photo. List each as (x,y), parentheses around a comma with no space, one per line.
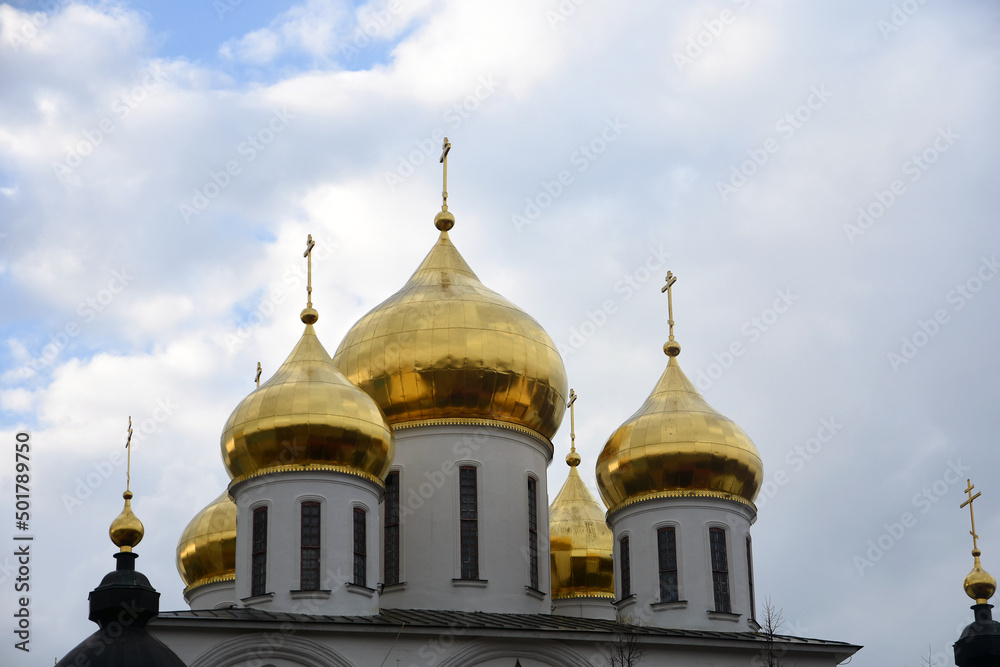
(820,176)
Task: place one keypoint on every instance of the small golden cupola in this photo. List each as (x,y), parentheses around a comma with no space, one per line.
(206,552)
(580,542)
(676,444)
(979,584)
(446,347)
(308,416)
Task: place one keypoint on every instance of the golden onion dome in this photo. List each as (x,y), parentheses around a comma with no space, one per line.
(446,347)
(580,542)
(308,417)
(677,445)
(206,552)
(979,584)
(126,530)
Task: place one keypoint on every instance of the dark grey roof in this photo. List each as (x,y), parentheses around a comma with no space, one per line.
(474,620)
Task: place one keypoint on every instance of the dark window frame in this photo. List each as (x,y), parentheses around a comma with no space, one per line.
(753,602)
(533,532)
(390,574)
(360,547)
(720,569)
(666,551)
(469,521)
(309,545)
(258,552)
(625,564)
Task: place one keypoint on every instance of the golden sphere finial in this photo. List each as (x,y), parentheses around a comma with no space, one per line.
(671,348)
(444,220)
(979,584)
(126,530)
(573,459)
(309,315)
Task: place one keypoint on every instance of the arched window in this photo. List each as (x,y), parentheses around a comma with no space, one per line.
(391,574)
(666,547)
(532,533)
(720,569)
(469,530)
(625,563)
(258,552)
(309,545)
(360,547)
(753,604)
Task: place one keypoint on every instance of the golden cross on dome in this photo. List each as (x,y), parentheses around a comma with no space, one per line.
(572,420)
(972,514)
(671,279)
(258,375)
(128,448)
(310,244)
(445,149)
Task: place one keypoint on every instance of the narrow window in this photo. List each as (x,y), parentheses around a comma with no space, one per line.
(391,574)
(470,522)
(360,548)
(720,569)
(753,604)
(532,533)
(666,540)
(626,568)
(258,584)
(309,579)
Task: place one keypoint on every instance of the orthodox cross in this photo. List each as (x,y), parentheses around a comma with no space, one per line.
(572,420)
(258,375)
(671,279)
(128,449)
(445,149)
(972,514)
(310,244)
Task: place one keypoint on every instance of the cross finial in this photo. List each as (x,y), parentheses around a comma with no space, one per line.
(972,515)
(444,220)
(572,420)
(672,348)
(258,375)
(309,315)
(128,448)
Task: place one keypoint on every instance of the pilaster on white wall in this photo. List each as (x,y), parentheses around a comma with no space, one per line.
(283,494)
(429,459)
(691,518)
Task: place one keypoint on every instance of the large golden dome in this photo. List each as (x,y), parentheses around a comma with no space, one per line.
(308,417)
(206,552)
(580,542)
(447,347)
(677,445)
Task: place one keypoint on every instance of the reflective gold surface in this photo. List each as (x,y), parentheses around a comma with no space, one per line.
(979,584)
(126,530)
(307,414)
(446,346)
(580,542)
(206,552)
(677,445)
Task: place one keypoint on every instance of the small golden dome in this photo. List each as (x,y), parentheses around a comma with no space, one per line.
(206,552)
(126,530)
(678,445)
(580,543)
(980,584)
(307,417)
(447,347)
